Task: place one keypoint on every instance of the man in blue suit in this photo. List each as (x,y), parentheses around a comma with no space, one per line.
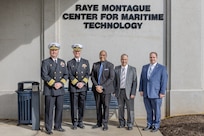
(153,83)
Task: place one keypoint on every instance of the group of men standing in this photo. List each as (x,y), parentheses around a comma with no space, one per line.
(121,82)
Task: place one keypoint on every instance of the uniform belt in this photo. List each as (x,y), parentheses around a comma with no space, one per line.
(122,88)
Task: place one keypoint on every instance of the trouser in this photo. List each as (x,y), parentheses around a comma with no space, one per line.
(77,106)
(122,101)
(50,102)
(153,109)
(102,108)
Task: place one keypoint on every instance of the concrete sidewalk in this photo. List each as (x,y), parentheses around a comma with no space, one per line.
(10,128)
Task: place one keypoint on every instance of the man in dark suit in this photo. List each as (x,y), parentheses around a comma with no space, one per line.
(125,91)
(54,73)
(153,84)
(102,76)
(79,71)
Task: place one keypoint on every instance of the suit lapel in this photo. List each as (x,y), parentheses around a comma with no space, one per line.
(146,70)
(53,63)
(98,68)
(128,73)
(74,63)
(104,67)
(119,71)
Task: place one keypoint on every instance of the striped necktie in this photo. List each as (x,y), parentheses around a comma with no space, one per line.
(122,78)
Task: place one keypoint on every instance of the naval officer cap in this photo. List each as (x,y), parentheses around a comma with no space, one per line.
(77,47)
(54,46)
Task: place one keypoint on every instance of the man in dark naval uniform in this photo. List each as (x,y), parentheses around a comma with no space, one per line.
(54,73)
(78,85)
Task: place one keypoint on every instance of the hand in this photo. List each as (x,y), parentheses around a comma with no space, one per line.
(99,89)
(58,85)
(80,85)
(161,95)
(132,96)
(141,93)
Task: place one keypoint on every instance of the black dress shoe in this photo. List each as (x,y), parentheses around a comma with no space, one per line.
(147,128)
(59,129)
(105,128)
(96,126)
(49,132)
(129,128)
(74,127)
(81,126)
(154,129)
(121,126)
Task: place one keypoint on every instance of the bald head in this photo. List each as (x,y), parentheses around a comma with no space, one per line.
(102,55)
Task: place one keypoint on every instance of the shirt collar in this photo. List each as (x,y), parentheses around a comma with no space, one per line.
(54,59)
(77,59)
(153,65)
(125,66)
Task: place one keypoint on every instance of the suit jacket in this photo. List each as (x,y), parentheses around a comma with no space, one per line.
(78,73)
(107,76)
(52,73)
(156,84)
(131,81)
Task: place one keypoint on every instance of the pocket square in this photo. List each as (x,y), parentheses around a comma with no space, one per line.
(106,69)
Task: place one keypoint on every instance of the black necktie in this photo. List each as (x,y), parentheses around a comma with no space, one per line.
(77,62)
(55,61)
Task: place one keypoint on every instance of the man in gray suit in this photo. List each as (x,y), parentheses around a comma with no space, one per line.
(153,83)
(79,71)
(54,73)
(125,91)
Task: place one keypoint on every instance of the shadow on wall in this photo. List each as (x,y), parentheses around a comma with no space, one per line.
(9,104)
(21,22)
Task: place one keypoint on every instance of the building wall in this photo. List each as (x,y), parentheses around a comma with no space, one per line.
(137,43)
(20,26)
(186,57)
(27,27)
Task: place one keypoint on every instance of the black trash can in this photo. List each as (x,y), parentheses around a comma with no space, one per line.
(29,104)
